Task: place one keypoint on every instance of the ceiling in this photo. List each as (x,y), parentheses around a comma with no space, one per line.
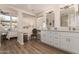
(34,8)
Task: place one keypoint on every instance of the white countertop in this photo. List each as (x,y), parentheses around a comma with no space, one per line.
(75,31)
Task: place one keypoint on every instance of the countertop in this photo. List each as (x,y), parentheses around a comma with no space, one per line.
(73,31)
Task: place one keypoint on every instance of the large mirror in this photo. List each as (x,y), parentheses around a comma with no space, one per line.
(50,20)
(77,18)
(67,16)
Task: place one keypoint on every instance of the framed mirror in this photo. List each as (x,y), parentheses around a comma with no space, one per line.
(50,20)
(67,16)
(77,17)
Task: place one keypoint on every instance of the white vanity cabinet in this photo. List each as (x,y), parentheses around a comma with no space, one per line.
(74,42)
(43,36)
(55,39)
(67,41)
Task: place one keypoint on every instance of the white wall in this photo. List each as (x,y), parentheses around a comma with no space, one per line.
(28,21)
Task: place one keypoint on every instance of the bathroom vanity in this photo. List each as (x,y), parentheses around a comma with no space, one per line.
(64,40)
(64,36)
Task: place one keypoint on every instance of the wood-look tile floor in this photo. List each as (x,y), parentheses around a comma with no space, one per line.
(30,47)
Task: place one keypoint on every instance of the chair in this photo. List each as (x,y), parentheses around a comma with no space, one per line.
(34,34)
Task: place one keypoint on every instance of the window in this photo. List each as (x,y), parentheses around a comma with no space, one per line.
(14,22)
(8,21)
(5,21)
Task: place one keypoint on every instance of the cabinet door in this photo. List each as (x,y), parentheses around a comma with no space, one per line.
(43,35)
(51,38)
(48,37)
(75,45)
(63,43)
(68,43)
(56,39)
